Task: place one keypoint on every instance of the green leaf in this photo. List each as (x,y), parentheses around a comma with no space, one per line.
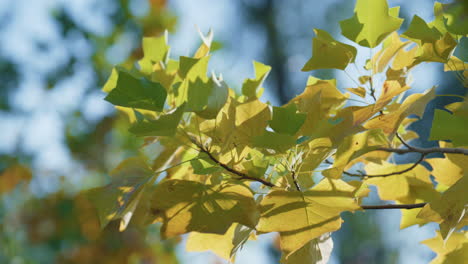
(455,19)
(185,206)
(420,32)
(197,95)
(131,91)
(438,51)
(216,99)
(285,119)
(371,24)
(328,53)
(250,86)
(155,50)
(275,141)
(166,125)
(191,70)
(204,165)
(446,126)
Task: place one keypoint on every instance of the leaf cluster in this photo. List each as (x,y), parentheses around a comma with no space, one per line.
(225,166)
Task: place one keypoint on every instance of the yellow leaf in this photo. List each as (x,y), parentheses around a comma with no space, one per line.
(450,210)
(445,171)
(455,64)
(390,48)
(360,91)
(413,105)
(453,250)
(224,245)
(318,101)
(185,206)
(396,187)
(405,59)
(317,251)
(303,216)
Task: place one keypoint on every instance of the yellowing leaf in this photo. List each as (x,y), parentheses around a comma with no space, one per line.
(185,206)
(118,199)
(317,251)
(308,214)
(405,59)
(396,187)
(445,171)
(414,104)
(224,245)
(250,86)
(453,250)
(360,91)
(438,51)
(318,100)
(390,48)
(155,50)
(351,148)
(191,69)
(328,53)
(371,24)
(450,209)
(455,64)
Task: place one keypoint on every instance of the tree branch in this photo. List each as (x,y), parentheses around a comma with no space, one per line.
(294,177)
(393,206)
(241,175)
(363,175)
(425,151)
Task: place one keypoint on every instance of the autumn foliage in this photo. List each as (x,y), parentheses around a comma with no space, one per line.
(223,166)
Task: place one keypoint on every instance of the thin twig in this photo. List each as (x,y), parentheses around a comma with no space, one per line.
(393,206)
(363,175)
(293,175)
(242,175)
(425,151)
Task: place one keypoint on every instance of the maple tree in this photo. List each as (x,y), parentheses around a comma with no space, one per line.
(225,166)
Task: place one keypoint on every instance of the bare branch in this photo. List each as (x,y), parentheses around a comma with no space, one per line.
(393,206)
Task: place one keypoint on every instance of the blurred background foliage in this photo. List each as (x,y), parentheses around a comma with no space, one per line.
(59,137)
